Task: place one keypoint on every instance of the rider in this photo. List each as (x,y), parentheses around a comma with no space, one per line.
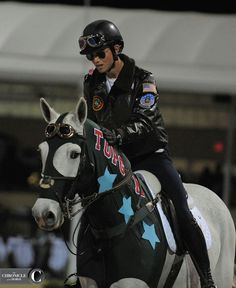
(123,99)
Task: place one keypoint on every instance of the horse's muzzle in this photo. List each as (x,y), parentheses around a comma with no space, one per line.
(48,216)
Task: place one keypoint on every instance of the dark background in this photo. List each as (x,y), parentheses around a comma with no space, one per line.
(200,6)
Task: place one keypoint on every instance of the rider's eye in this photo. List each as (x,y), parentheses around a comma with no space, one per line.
(74,155)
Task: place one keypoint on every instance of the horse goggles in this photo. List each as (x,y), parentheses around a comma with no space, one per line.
(93,41)
(64,131)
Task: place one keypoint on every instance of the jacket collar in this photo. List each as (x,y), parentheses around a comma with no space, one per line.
(125,78)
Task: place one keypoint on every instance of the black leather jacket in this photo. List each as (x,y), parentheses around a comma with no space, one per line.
(131,106)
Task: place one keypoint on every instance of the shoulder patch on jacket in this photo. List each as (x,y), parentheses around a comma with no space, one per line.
(149,87)
(147,101)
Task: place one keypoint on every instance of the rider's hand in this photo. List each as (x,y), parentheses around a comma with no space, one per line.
(113,136)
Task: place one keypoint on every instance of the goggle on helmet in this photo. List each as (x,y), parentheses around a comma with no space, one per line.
(91,42)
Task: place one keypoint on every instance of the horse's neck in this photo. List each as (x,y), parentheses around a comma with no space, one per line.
(104,156)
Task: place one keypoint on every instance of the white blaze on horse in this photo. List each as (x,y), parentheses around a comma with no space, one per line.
(130,242)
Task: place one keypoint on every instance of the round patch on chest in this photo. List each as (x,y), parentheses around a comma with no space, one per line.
(98,103)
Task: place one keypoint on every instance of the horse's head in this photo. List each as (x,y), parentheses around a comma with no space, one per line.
(78,166)
(62,155)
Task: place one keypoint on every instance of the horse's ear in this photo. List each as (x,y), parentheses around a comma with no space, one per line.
(81,111)
(49,114)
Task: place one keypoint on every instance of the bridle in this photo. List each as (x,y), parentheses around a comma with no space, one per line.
(71,198)
(66,131)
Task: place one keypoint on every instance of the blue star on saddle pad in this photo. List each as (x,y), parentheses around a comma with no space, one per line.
(106,181)
(150,234)
(126,209)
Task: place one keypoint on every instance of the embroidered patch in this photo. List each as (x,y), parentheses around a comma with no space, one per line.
(147,101)
(149,87)
(98,103)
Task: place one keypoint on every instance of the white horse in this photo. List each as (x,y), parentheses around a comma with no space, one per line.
(76,159)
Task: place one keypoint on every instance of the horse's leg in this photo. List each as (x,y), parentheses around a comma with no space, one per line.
(87,282)
(224,269)
(129,283)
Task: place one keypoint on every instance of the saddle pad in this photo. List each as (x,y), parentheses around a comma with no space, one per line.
(167,229)
(169,234)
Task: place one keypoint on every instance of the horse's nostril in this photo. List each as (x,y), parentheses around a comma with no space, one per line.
(50,218)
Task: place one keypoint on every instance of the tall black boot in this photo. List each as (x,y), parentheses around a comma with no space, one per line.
(196,245)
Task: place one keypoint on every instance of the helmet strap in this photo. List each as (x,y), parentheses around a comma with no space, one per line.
(115,58)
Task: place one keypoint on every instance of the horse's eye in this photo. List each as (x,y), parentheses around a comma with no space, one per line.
(74,155)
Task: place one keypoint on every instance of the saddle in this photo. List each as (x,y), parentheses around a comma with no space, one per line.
(158,202)
(152,190)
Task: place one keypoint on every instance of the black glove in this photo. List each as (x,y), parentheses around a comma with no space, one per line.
(113,136)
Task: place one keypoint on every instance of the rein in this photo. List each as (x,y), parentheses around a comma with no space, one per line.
(68,203)
(88,200)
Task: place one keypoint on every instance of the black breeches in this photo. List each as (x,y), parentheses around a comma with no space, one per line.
(161,165)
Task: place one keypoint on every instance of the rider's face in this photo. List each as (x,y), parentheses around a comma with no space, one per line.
(102,59)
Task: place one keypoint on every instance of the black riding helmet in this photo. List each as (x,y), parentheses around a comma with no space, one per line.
(99,34)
